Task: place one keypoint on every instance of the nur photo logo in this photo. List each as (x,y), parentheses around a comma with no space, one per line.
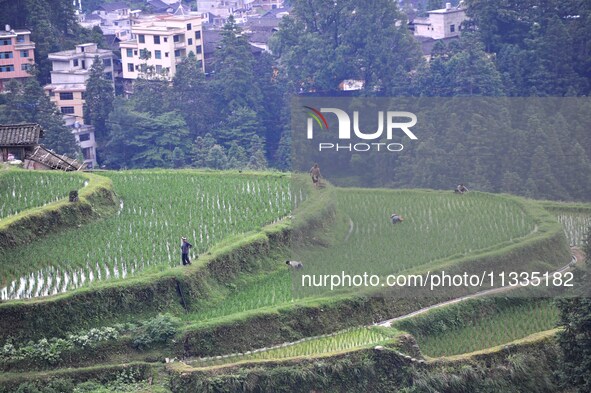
(390,123)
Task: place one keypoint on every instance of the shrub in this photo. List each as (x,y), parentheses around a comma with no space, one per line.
(155,331)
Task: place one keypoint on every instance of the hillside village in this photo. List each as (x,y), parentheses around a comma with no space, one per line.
(229,196)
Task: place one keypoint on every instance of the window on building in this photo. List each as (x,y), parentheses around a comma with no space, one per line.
(83,95)
(198,35)
(135,52)
(157,54)
(67,110)
(24,53)
(177,53)
(158,69)
(84,137)
(83,64)
(189,26)
(75,62)
(198,49)
(20,39)
(108,76)
(6,68)
(165,54)
(165,39)
(156,39)
(130,67)
(5,55)
(143,67)
(88,153)
(176,38)
(129,52)
(190,41)
(6,41)
(452,28)
(25,67)
(66,96)
(141,39)
(107,62)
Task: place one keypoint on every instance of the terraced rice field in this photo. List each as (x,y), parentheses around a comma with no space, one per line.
(437,226)
(316,346)
(156,209)
(21,190)
(508,325)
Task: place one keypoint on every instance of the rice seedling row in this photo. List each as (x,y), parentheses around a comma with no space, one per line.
(575,226)
(508,325)
(312,346)
(22,190)
(272,290)
(156,209)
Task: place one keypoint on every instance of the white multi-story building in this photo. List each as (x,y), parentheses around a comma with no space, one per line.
(70,72)
(442,23)
(159,44)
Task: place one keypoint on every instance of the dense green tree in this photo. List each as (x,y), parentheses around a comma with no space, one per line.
(99,100)
(235,83)
(192,96)
(237,156)
(321,45)
(200,150)
(216,158)
(27,102)
(144,140)
(152,96)
(240,126)
(257,158)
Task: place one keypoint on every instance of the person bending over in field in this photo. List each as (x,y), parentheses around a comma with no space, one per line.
(315,173)
(185,246)
(396,218)
(460,189)
(295,264)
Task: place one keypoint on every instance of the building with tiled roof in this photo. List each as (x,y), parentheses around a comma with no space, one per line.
(17,139)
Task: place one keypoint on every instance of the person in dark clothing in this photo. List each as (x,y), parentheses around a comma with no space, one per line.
(185,246)
(315,174)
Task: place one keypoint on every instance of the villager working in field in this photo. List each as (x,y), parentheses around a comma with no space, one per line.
(315,173)
(396,218)
(460,189)
(185,246)
(295,264)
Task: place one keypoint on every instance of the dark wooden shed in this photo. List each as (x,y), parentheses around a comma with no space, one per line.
(19,139)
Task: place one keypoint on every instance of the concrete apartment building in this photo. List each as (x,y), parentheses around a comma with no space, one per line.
(159,44)
(17,54)
(70,71)
(442,23)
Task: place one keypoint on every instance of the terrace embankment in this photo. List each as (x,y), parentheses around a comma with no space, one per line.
(96,200)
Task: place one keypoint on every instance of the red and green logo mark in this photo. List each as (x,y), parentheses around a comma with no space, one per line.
(319,117)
